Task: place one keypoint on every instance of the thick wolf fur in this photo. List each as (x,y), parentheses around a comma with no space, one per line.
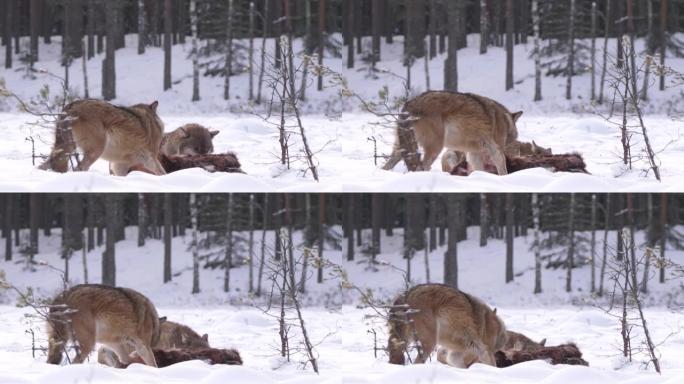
(464,327)
(172,335)
(518,341)
(124,136)
(120,318)
(462,122)
(188,140)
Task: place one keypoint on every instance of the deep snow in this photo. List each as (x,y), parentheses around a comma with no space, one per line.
(339,133)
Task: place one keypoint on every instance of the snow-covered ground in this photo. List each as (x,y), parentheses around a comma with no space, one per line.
(340,134)
(340,328)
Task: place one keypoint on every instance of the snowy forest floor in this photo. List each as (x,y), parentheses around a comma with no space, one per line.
(338,327)
(341,135)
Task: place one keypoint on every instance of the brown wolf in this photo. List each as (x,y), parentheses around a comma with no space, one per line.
(171,335)
(435,314)
(462,122)
(166,357)
(190,139)
(124,136)
(120,318)
(520,342)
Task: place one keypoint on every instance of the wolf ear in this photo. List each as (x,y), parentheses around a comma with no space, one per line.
(205,337)
(516,116)
(184,338)
(162,319)
(213,133)
(543,342)
(495,310)
(185,133)
(154,106)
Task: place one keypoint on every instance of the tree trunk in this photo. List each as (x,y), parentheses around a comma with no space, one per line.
(349,212)
(570,261)
(536,216)
(606,229)
(90,221)
(451,255)
(108,258)
(376,221)
(321,41)
(663,235)
(250,53)
(168,218)
(9,215)
(536,26)
(606,36)
(142,32)
(592,259)
(36,13)
(168,17)
(451,63)
(194,53)
(321,236)
(250,243)
(650,244)
(227,69)
(228,261)
(35,208)
(109,63)
(509,236)
(9,31)
(484,222)
(571,55)
(663,40)
(592,67)
(194,246)
(509,44)
(142,220)
(432,220)
(433,28)
(351,25)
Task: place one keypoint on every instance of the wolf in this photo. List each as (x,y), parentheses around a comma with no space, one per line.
(120,318)
(171,335)
(188,140)
(518,341)
(124,136)
(464,327)
(522,148)
(462,122)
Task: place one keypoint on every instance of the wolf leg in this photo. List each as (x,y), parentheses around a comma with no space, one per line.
(496,153)
(475,161)
(145,353)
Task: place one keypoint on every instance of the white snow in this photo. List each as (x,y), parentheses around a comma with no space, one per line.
(338,131)
(339,328)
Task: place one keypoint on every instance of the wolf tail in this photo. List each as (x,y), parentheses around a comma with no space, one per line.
(64,145)
(398,340)
(404,122)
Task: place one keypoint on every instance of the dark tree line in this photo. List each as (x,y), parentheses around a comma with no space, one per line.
(570,226)
(425,25)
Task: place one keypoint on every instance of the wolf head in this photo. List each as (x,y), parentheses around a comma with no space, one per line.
(196,140)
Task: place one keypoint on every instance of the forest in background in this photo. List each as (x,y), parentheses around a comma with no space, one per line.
(224,34)
(567,228)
